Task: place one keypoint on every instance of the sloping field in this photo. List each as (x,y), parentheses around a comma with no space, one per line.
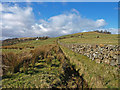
(47,68)
(47,64)
(96,75)
(91,38)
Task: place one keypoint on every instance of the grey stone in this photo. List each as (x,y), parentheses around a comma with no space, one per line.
(103,53)
(113,63)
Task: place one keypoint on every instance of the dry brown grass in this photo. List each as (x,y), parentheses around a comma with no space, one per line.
(17,47)
(12,61)
(27,58)
(60,56)
(15,61)
(40,52)
(56,49)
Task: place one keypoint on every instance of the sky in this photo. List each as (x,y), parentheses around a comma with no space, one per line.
(34,19)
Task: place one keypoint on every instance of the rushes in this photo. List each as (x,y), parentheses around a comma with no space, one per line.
(41,52)
(26,61)
(12,62)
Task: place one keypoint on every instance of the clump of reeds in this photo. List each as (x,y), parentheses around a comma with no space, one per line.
(60,57)
(40,52)
(11,60)
(15,61)
(27,58)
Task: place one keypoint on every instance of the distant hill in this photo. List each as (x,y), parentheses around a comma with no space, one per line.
(18,40)
(86,37)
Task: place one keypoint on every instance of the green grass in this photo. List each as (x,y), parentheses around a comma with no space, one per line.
(97,75)
(43,74)
(40,77)
(90,38)
(36,42)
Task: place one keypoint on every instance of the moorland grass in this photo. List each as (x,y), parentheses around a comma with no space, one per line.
(47,61)
(45,70)
(91,38)
(36,43)
(96,75)
(39,77)
(12,61)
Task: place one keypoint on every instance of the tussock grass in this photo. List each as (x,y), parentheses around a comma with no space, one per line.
(42,62)
(96,75)
(46,68)
(12,61)
(40,52)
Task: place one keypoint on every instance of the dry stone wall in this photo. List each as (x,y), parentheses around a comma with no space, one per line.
(102,53)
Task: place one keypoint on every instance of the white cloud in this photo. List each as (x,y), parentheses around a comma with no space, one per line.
(74,10)
(100,22)
(16,21)
(20,22)
(113,30)
(71,23)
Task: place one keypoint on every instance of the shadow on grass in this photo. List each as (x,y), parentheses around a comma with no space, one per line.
(9,76)
(70,73)
(32,72)
(40,66)
(41,61)
(54,65)
(6,76)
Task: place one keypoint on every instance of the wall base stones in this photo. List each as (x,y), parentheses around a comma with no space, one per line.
(102,53)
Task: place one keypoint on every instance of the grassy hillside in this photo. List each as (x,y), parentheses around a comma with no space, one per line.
(28,45)
(97,75)
(46,64)
(48,67)
(91,38)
